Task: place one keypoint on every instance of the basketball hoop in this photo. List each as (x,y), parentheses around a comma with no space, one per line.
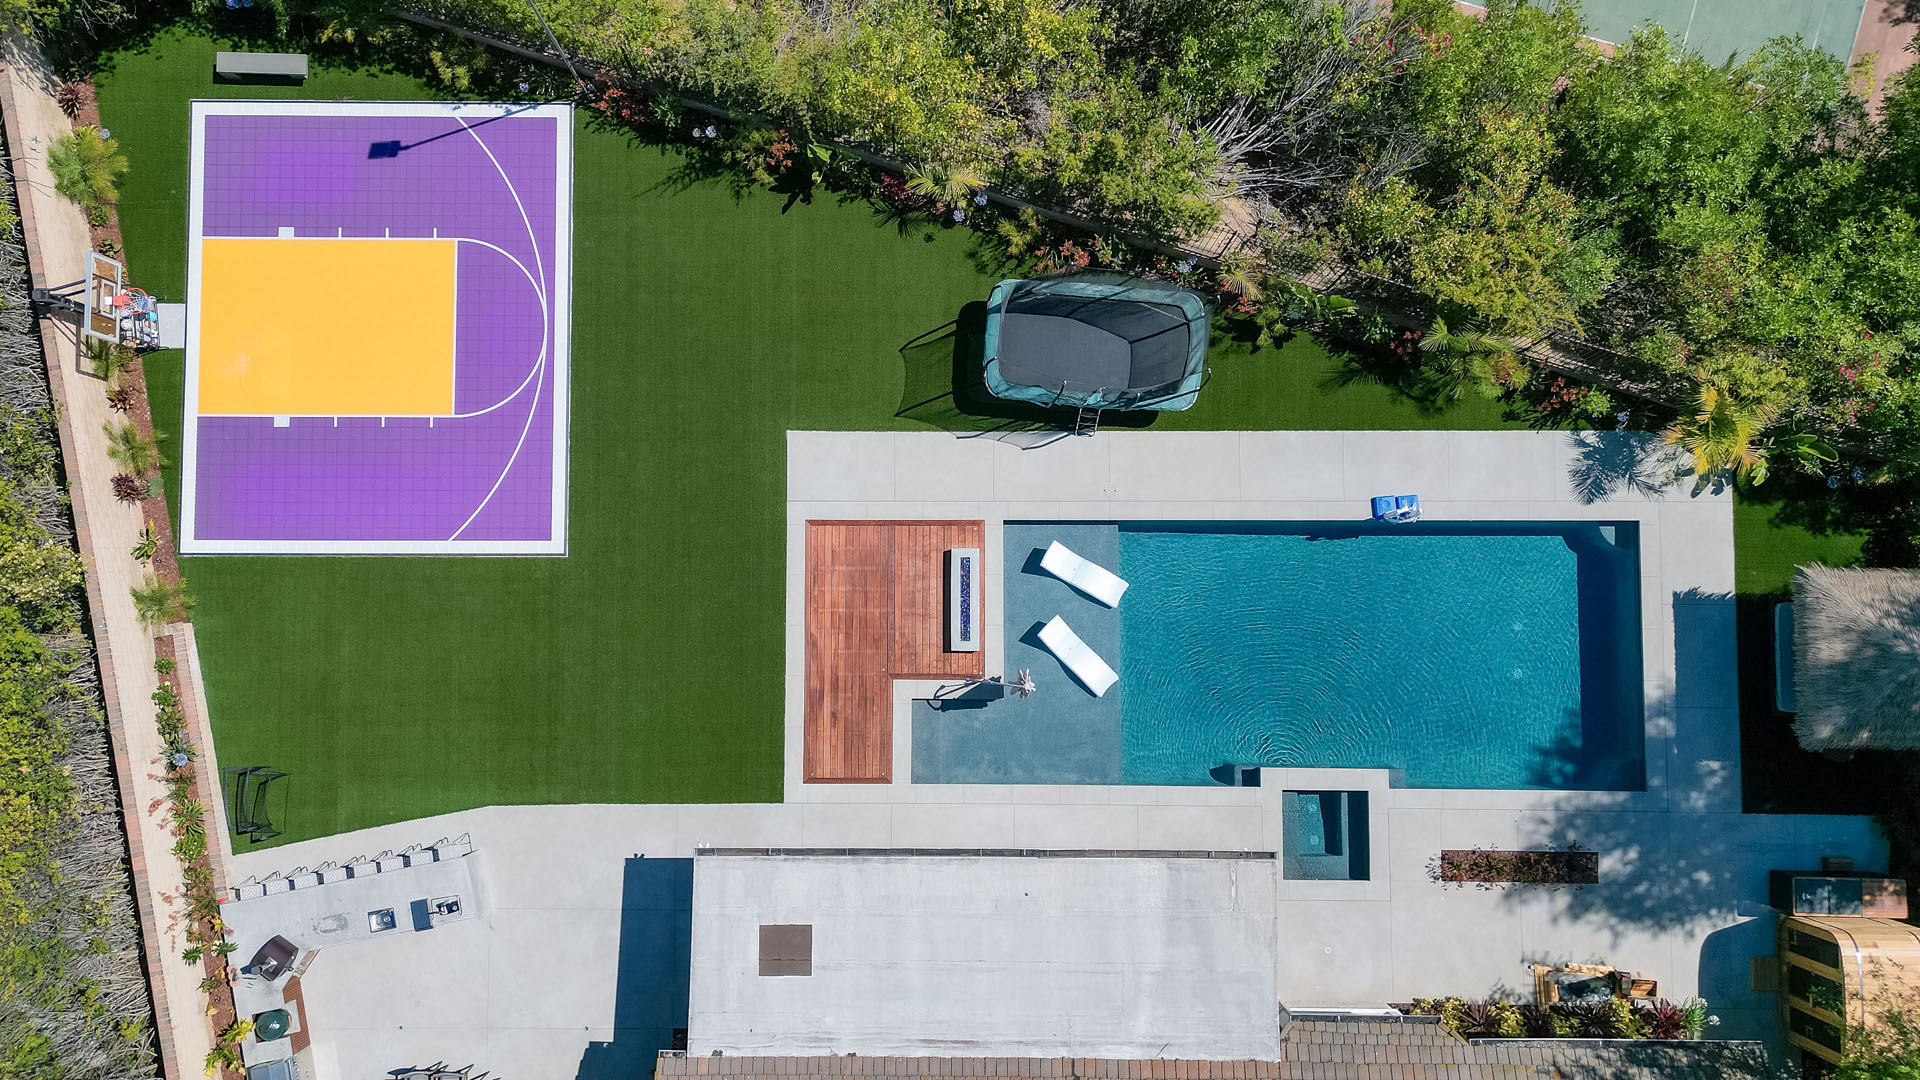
(99,318)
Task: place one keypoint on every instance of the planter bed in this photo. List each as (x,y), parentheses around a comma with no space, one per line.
(1569,867)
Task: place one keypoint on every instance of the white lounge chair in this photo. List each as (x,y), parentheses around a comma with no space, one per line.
(1078,657)
(1090,578)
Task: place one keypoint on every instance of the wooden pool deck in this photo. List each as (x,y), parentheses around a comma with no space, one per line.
(876,612)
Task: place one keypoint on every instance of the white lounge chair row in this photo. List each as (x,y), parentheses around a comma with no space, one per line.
(359,866)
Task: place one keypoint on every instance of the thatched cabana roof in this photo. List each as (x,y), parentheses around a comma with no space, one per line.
(1856,644)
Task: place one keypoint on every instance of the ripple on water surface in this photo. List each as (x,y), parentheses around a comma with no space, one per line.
(1454,658)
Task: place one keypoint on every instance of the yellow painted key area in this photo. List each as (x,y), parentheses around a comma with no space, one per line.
(293,326)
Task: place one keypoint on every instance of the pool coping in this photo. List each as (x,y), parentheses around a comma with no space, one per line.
(1686,570)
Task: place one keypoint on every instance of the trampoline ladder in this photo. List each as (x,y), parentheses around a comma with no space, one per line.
(1086,421)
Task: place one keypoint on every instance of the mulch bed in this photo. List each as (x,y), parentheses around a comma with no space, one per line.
(164,564)
(220,1003)
(1483,866)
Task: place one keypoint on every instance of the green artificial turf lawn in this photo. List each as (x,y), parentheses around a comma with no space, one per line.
(1766,550)
(648,664)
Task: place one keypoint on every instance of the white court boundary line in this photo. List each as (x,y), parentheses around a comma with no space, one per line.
(557,339)
(546,328)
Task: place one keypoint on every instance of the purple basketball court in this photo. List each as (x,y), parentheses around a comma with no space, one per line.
(377,329)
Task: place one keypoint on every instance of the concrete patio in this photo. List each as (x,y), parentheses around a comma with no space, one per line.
(561,977)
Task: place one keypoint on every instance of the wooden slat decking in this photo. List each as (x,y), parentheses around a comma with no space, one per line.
(876,611)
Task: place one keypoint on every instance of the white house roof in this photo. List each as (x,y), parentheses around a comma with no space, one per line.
(1116,957)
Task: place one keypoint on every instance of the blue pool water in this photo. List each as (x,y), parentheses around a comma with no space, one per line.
(1480,656)
(1453,657)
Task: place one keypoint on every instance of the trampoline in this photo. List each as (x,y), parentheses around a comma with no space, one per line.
(1096,341)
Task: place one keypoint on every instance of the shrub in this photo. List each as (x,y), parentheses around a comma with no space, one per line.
(69,96)
(1614,1018)
(87,167)
(110,360)
(1664,1021)
(129,488)
(38,576)
(1624,1021)
(159,602)
(946,185)
(137,453)
(1537,1021)
(1694,1019)
(1505,1020)
(145,548)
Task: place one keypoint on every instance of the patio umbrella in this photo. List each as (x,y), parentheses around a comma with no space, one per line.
(1856,644)
(1022,684)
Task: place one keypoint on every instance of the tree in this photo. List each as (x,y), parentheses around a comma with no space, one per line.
(39,576)
(87,167)
(1474,359)
(1506,251)
(158,602)
(1514,60)
(1328,110)
(948,185)
(134,452)
(1722,433)
(1199,54)
(50,15)
(1110,151)
(896,83)
(1501,251)
(1688,156)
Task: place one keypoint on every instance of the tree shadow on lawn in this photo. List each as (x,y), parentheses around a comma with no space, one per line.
(1883,512)
(1361,363)
(945,387)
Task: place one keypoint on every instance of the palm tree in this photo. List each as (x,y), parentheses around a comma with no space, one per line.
(160,602)
(1471,358)
(134,452)
(87,167)
(110,360)
(1722,433)
(945,184)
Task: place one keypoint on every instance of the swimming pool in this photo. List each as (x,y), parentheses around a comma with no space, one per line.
(1459,655)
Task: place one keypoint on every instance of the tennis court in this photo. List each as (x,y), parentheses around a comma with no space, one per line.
(377,328)
(1717,29)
